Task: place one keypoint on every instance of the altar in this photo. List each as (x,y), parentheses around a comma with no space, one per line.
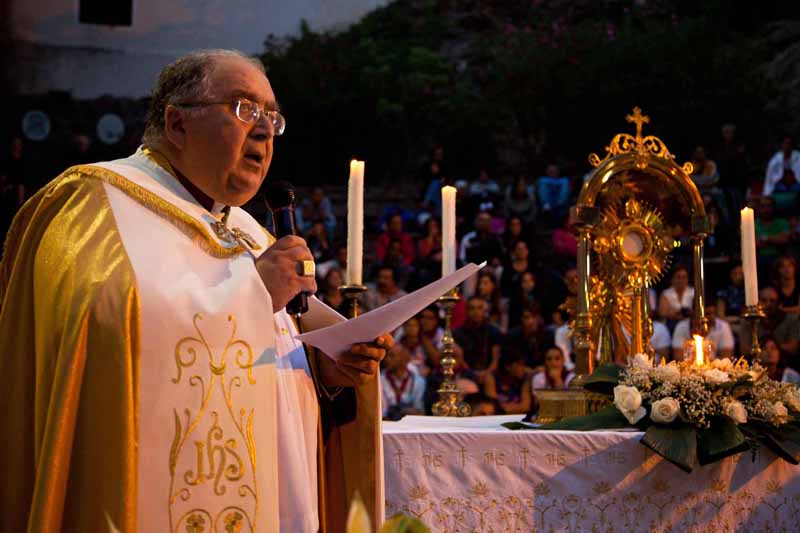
(472,474)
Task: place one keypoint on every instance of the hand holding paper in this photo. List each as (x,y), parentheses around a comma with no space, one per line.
(338,338)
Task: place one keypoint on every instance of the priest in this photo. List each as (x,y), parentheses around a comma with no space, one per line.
(152,377)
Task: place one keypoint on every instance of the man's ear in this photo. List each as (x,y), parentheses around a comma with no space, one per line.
(174,126)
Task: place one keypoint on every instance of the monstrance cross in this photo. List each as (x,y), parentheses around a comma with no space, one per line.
(638,119)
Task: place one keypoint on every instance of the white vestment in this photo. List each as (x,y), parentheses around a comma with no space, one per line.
(228,418)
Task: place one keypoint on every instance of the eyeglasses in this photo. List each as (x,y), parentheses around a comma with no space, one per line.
(248,112)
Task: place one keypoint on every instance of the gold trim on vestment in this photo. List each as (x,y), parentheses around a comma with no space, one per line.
(189,225)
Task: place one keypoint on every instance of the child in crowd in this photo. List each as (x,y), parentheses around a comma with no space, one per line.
(402,389)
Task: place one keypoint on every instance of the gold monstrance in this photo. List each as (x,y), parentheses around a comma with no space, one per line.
(630,215)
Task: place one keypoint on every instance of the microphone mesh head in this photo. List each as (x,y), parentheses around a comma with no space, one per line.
(279,195)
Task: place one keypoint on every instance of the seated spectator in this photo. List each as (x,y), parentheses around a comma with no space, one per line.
(565,244)
(787,158)
(487,289)
(528,339)
(428,265)
(422,336)
(705,173)
(339,261)
(661,341)
(772,232)
(719,332)
(782,326)
(329,288)
(482,405)
(484,193)
(784,275)
(394,231)
(384,291)
(787,184)
(720,240)
(520,200)
(555,374)
(315,207)
(732,161)
(774,360)
(429,246)
(510,384)
(479,339)
(730,300)
(318,242)
(552,190)
(394,259)
(514,232)
(523,295)
(481,244)
(517,265)
(432,200)
(676,300)
(402,389)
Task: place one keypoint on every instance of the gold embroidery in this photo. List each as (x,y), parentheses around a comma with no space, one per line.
(218,458)
(190,226)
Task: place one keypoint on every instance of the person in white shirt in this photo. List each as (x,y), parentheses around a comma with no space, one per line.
(676,300)
(555,374)
(786,158)
(661,341)
(402,389)
(719,331)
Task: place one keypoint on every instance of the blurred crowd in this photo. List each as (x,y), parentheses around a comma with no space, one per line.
(512,325)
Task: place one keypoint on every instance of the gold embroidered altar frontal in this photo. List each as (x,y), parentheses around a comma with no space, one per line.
(488,479)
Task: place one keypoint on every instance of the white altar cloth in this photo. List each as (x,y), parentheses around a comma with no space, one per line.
(473,475)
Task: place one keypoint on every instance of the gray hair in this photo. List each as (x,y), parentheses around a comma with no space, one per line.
(185,79)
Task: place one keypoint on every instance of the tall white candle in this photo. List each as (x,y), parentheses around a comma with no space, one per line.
(448,230)
(749,257)
(355,222)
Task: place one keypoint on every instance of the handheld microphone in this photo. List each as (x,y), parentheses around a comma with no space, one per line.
(281,201)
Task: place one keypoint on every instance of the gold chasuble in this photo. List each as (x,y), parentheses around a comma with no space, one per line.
(147,384)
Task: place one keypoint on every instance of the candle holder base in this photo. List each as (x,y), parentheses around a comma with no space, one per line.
(352,294)
(450,402)
(754,314)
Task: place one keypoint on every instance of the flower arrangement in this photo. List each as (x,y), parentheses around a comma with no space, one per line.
(699,394)
(696,413)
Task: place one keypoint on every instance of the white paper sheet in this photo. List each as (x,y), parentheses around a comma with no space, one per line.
(338,338)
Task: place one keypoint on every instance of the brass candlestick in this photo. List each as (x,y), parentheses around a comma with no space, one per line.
(753,314)
(351,294)
(450,403)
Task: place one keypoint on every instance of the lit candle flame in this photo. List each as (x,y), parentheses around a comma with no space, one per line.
(698,350)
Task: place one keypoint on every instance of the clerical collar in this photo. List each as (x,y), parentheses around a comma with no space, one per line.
(202,198)
(205,201)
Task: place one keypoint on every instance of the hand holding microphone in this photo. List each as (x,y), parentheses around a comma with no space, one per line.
(286,268)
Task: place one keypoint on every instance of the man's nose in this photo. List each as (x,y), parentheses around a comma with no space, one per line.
(263,127)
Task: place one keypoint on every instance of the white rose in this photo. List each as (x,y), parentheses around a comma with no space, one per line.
(640,360)
(665,410)
(722,363)
(792,397)
(781,413)
(736,412)
(668,373)
(629,402)
(715,377)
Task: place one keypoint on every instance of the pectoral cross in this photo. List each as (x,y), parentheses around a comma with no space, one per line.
(233,235)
